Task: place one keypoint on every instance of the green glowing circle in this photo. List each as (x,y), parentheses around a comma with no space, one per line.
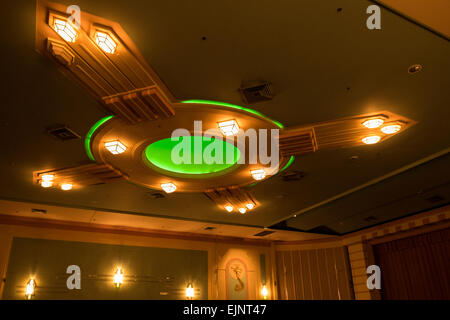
(192,155)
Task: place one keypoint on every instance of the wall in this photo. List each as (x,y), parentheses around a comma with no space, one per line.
(219,251)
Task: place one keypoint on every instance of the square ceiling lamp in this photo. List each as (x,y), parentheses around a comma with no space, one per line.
(169,187)
(105,42)
(229,127)
(64,29)
(115,147)
(258,174)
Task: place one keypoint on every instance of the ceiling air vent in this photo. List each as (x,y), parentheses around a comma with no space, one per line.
(209,228)
(63,133)
(257,93)
(293,175)
(263,233)
(157,195)
(38,210)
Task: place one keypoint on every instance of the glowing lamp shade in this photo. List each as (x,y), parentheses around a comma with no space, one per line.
(169,187)
(66,186)
(105,42)
(229,127)
(264,292)
(242,210)
(190,292)
(391,129)
(373,123)
(65,30)
(229,208)
(30,288)
(258,174)
(118,278)
(115,147)
(250,206)
(46,184)
(371,139)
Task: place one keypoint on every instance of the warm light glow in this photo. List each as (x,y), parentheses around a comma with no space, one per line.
(115,147)
(250,206)
(46,184)
(66,186)
(264,292)
(168,187)
(373,123)
(190,292)
(371,139)
(47,177)
(118,277)
(229,208)
(65,30)
(229,127)
(242,210)
(390,129)
(258,174)
(29,291)
(105,42)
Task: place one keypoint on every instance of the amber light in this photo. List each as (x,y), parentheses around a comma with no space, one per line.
(373,123)
(105,42)
(118,278)
(169,187)
(371,139)
(65,30)
(391,129)
(30,289)
(190,292)
(229,128)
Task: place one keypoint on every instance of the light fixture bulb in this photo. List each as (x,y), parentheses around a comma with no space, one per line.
(229,208)
(65,30)
(47,177)
(66,186)
(190,292)
(46,184)
(229,128)
(169,187)
(115,147)
(250,206)
(242,210)
(391,129)
(105,42)
(373,123)
(258,174)
(264,292)
(30,288)
(371,139)
(118,277)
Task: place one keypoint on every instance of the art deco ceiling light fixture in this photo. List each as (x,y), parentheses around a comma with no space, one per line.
(229,128)
(105,42)
(373,123)
(371,139)
(115,147)
(64,29)
(258,174)
(169,187)
(391,129)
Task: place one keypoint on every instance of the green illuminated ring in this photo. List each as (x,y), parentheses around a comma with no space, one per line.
(229,105)
(87,140)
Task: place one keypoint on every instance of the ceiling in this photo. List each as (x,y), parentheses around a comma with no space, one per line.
(324,64)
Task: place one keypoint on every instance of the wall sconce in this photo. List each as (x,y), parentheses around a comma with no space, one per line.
(264,292)
(190,292)
(118,278)
(30,289)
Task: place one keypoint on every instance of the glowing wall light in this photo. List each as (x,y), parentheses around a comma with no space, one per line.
(373,123)
(391,129)
(118,278)
(264,292)
(189,292)
(115,147)
(30,289)
(258,174)
(229,208)
(105,42)
(371,139)
(65,30)
(229,127)
(169,187)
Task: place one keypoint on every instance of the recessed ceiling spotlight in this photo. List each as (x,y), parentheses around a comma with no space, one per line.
(250,206)
(371,139)
(258,174)
(415,68)
(46,184)
(242,210)
(391,129)
(229,208)
(373,123)
(66,186)
(47,177)
(115,147)
(65,30)
(105,42)
(169,187)
(229,127)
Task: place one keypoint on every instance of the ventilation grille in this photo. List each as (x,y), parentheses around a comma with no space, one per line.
(157,195)
(257,93)
(296,142)
(263,233)
(233,195)
(63,133)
